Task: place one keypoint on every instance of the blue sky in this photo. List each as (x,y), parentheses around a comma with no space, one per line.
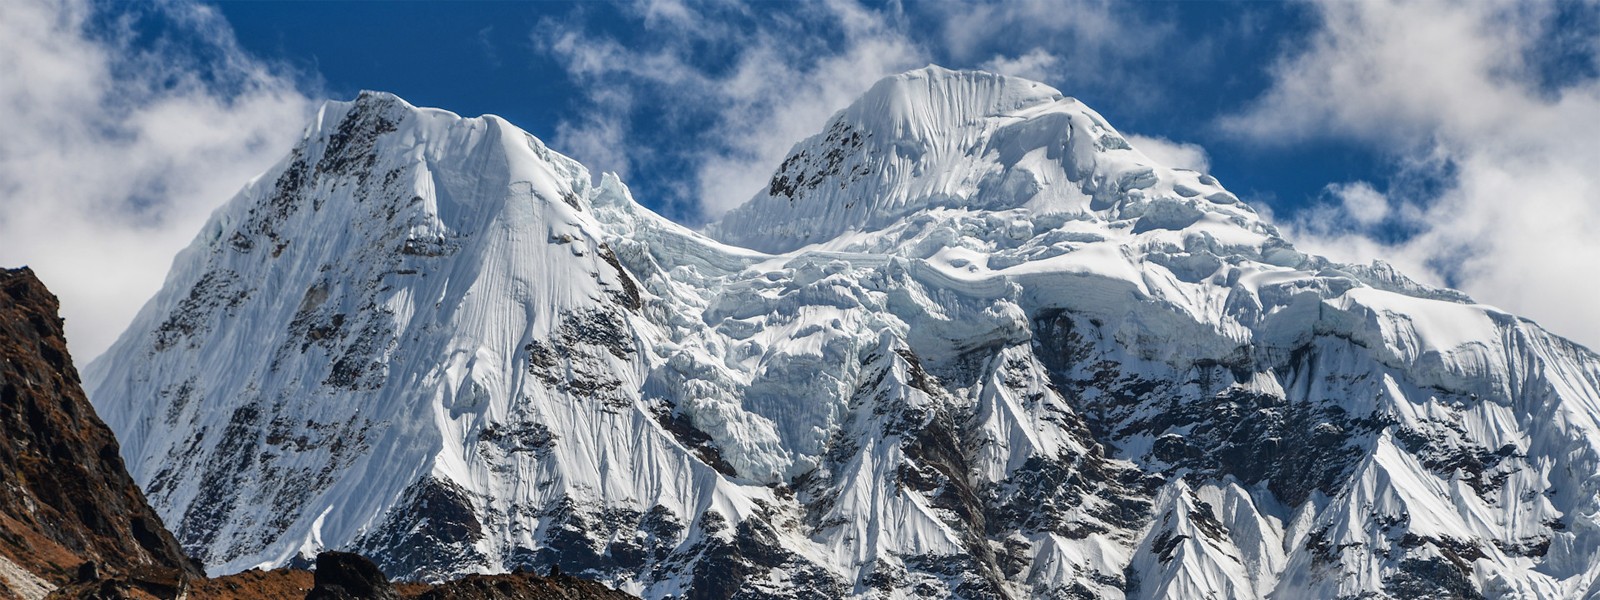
(1460,141)
(1171,71)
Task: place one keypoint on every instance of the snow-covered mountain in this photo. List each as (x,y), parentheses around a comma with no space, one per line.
(968,342)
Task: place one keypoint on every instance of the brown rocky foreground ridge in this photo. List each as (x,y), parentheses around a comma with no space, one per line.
(73,524)
(68,508)
(343,576)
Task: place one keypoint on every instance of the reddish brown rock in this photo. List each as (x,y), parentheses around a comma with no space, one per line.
(65,497)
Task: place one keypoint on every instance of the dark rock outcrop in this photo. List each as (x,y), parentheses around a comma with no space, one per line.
(522,586)
(350,576)
(347,576)
(65,497)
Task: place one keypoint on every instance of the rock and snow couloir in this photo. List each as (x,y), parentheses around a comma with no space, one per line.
(968,342)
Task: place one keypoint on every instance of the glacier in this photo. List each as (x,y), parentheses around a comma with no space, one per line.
(968,342)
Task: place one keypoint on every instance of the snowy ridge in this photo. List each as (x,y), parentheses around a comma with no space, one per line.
(934,138)
(982,348)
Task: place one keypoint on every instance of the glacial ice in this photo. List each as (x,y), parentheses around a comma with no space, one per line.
(968,342)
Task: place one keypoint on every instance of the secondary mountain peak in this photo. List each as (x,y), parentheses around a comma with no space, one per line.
(932,102)
(933,139)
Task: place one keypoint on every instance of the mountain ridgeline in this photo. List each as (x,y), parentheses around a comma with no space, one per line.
(968,342)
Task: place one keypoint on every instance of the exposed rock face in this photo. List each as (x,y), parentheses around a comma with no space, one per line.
(521,586)
(65,498)
(256,584)
(346,576)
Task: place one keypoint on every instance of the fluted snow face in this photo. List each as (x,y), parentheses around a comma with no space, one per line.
(934,138)
(998,354)
(363,318)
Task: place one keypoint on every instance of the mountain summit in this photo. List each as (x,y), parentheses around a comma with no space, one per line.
(968,343)
(962,140)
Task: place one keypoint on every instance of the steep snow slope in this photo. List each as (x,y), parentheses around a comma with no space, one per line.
(1000,353)
(412,310)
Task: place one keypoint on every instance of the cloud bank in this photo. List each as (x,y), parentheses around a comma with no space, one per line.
(1495,143)
(1180,155)
(762,89)
(113,153)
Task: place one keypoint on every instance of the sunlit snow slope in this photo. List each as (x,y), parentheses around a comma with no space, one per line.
(980,347)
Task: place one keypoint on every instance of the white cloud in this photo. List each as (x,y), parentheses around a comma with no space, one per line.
(112,156)
(1366,206)
(771,113)
(1387,70)
(486,44)
(1084,44)
(1459,85)
(1036,64)
(1182,155)
(1092,28)
(777,92)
